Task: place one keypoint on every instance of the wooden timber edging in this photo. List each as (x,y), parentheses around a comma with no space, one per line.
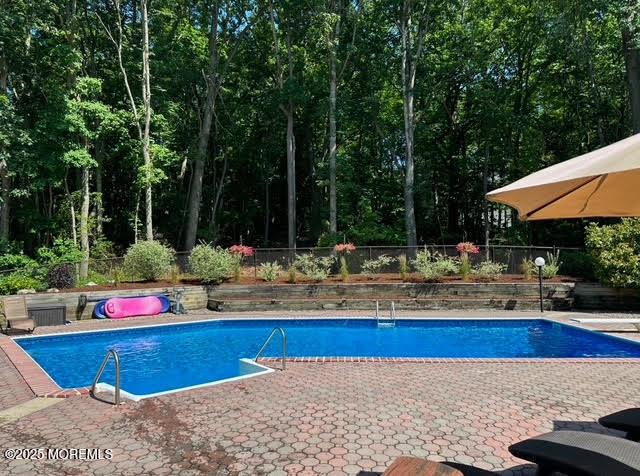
(407,296)
(578,296)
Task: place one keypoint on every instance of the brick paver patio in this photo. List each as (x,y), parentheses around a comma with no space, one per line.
(324,418)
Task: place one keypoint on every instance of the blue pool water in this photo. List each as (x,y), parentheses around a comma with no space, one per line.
(164,358)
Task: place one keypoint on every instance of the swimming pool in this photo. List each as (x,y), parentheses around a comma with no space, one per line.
(165,358)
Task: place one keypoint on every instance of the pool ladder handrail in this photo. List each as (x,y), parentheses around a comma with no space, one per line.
(392,316)
(116,359)
(284,345)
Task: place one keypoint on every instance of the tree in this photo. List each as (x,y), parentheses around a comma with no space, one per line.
(412,45)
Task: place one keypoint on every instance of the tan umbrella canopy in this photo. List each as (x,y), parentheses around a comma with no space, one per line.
(602,183)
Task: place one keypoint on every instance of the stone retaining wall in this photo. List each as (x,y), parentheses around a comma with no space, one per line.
(594,296)
(194,298)
(408,296)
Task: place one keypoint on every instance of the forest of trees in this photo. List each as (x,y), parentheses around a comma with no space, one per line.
(298,122)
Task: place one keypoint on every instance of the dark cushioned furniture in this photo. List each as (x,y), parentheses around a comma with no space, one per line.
(578,453)
(625,420)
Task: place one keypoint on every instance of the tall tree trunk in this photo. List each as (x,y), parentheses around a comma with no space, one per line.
(409,64)
(288,111)
(195,196)
(100,197)
(72,210)
(84,223)
(146,141)
(5,179)
(291,179)
(5,182)
(632,63)
(485,204)
(333,88)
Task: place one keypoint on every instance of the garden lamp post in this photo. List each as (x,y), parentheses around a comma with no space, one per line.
(540,264)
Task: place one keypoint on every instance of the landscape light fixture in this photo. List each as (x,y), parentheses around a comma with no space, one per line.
(539,262)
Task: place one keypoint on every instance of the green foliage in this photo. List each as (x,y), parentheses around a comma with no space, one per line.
(577,264)
(14,282)
(212,265)
(270,271)
(16,262)
(292,275)
(117,275)
(314,267)
(552,265)
(528,268)
(434,266)
(63,251)
(465,267)
(149,260)
(510,85)
(403,264)
(61,276)
(344,269)
(95,278)
(488,270)
(615,250)
(175,274)
(375,266)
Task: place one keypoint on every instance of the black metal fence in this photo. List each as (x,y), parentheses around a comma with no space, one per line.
(511,256)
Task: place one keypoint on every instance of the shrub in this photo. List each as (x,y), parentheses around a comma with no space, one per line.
(551,266)
(615,250)
(344,269)
(577,264)
(466,248)
(488,270)
(149,260)
(270,271)
(117,275)
(176,274)
(14,282)
(314,267)
(403,264)
(528,268)
(16,262)
(427,266)
(447,265)
(212,265)
(61,276)
(63,251)
(374,266)
(434,266)
(344,248)
(292,275)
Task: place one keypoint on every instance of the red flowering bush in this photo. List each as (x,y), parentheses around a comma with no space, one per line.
(466,247)
(344,248)
(241,250)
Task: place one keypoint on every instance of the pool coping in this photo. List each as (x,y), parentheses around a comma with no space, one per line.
(42,385)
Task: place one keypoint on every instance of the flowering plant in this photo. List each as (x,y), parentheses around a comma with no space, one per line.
(466,247)
(344,248)
(241,250)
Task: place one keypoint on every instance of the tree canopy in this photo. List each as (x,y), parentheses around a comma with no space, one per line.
(265,115)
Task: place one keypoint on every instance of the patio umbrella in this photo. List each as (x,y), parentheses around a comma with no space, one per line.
(602,183)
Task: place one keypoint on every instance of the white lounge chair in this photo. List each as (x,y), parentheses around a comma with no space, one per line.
(613,320)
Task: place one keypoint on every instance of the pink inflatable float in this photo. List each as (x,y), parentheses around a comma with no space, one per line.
(117,308)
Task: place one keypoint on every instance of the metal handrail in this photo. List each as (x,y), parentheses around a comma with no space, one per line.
(116,359)
(284,345)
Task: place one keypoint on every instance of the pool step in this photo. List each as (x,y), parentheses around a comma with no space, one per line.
(401,303)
